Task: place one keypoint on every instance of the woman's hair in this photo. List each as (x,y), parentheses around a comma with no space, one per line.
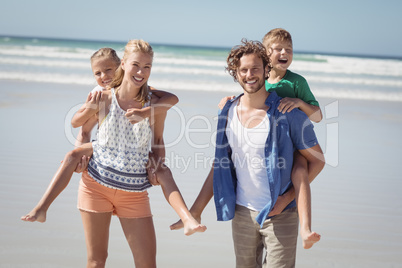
(246,48)
(276,35)
(134,46)
(106,52)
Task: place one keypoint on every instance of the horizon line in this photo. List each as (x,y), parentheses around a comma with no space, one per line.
(204,46)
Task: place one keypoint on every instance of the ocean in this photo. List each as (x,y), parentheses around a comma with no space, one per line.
(198,68)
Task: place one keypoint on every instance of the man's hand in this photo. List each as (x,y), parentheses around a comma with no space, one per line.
(279,206)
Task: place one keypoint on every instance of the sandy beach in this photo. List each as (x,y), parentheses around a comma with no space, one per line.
(356,199)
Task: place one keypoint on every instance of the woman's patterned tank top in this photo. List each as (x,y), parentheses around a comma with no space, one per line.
(120,152)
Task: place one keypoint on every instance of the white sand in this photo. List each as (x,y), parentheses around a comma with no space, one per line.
(356,199)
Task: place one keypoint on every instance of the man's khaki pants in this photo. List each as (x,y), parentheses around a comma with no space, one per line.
(278,236)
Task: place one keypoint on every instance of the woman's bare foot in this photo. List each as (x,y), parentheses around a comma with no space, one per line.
(35,215)
(309,239)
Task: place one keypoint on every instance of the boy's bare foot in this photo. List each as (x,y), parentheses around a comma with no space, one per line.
(309,239)
(35,215)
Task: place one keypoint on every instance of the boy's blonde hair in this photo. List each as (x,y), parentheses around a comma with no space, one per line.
(106,52)
(276,35)
(134,46)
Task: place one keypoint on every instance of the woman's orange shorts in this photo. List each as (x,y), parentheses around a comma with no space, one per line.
(94,197)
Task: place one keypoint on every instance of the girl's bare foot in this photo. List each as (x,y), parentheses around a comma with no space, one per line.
(192,226)
(35,215)
(309,239)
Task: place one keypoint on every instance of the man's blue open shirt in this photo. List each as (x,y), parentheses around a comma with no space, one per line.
(288,132)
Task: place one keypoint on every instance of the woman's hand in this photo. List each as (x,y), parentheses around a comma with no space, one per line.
(151,168)
(83,164)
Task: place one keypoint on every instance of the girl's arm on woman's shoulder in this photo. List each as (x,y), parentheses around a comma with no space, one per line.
(166,100)
(158,146)
(161,102)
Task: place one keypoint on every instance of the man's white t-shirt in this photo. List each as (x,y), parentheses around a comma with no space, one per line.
(248,146)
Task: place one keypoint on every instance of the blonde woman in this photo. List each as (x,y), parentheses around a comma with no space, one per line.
(116,180)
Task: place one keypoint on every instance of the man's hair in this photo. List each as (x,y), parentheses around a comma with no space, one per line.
(247,47)
(276,35)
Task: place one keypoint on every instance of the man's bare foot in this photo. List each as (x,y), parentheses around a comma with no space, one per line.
(309,239)
(35,215)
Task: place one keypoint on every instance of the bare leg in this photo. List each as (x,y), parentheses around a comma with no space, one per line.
(175,199)
(140,235)
(96,228)
(58,183)
(303,199)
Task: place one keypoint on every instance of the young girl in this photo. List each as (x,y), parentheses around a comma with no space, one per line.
(104,63)
(116,179)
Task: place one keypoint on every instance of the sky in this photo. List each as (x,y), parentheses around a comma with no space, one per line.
(362,27)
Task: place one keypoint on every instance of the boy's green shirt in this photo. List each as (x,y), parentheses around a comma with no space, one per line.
(293,85)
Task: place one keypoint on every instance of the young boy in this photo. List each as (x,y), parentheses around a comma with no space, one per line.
(292,87)
(296,93)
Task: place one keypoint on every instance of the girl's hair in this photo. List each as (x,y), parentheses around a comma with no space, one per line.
(134,46)
(246,48)
(276,35)
(106,52)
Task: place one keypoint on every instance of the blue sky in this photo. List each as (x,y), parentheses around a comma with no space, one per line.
(352,27)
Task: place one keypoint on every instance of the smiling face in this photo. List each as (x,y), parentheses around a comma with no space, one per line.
(281,55)
(137,68)
(103,69)
(251,73)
